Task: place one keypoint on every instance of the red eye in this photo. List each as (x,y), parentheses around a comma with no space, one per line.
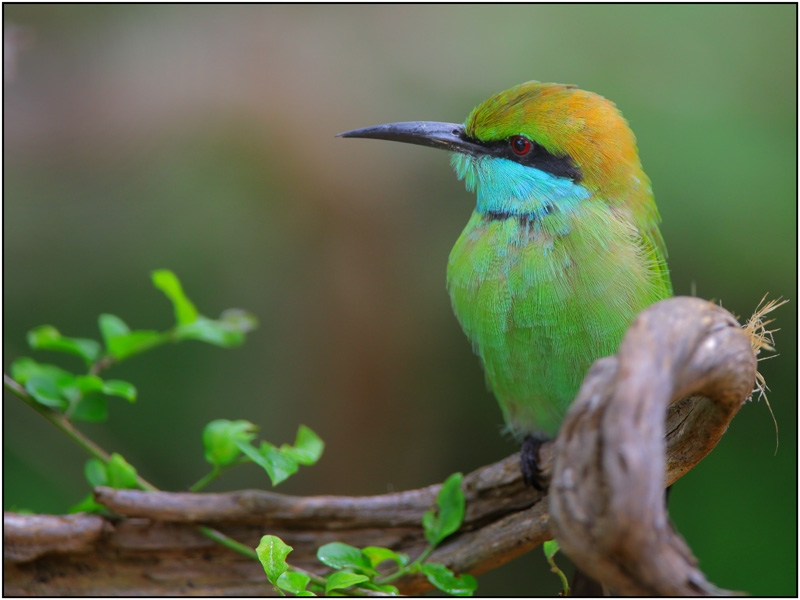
(520,145)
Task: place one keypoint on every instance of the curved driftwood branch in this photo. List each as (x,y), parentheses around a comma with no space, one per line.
(607,492)
(606,497)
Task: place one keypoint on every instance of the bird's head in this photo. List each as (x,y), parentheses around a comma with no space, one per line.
(536,148)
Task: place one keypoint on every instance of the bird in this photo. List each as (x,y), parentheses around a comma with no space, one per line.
(561,252)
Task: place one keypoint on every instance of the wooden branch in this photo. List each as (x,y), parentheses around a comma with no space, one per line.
(156,550)
(606,498)
(607,495)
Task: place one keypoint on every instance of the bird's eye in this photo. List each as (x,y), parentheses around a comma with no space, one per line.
(521,145)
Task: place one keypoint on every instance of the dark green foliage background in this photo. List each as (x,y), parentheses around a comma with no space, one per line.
(200,139)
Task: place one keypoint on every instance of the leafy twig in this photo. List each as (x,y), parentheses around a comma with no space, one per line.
(97,452)
(56,419)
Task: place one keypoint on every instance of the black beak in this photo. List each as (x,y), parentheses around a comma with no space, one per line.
(445,136)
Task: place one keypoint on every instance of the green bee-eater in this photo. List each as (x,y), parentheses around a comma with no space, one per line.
(561,252)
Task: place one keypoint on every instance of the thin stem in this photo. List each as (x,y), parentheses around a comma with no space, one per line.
(410,568)
(554,569)
(101,364)
(216,472)
(67,428)
(205,480)
(425,554)
(390,578)
(230,543)
(56,419)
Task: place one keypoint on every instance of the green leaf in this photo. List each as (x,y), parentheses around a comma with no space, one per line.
(338,555)
(122,389)
(237,319)
(551,548)
(95,471)
(121,342)
(278,465)
(111,327)
(451,506)
(90,407)
(308,447)
(220,439)
(252,453)
(343,579)
(294,583)
(47,337)
(87,404)
(121,474)
(136,342)
(376,555)
(385,588)
(167,282)
(445,580)
(211,332)
(87,505)
(49,385)
(88,383)
(228,331)
(45,391)
(272,552)
(77,386)
(23,368)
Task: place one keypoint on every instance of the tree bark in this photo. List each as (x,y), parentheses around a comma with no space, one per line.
(684,358)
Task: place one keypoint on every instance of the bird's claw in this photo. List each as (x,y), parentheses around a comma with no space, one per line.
(529,462)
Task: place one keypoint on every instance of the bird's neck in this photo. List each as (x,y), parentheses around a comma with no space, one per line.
(506,189)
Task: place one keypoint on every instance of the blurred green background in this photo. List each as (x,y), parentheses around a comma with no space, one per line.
(201,139)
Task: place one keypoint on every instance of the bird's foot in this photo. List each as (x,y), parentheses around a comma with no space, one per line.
(529,461)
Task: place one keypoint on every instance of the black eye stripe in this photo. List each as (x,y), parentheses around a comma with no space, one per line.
(538,158)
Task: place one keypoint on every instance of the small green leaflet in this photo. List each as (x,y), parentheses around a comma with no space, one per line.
(272,552)
(342,579)
(47,337)
(307,449)
(220,439)
(95,471)
(121,342)
(451,506)
(121,474)
(444,579)
(376,555)
(278,466)
(117,473)
(338,555)
(294,583)
(167,282)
